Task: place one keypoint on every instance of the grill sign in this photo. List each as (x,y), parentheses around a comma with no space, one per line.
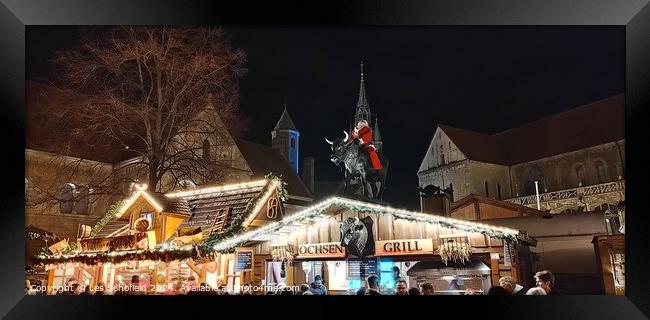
(403,247)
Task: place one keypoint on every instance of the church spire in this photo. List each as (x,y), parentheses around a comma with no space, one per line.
(363,108)
(285,121)
(377,136)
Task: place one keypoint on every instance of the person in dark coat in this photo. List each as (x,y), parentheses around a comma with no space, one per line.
(427,289)
(401,288)
(497,291)
(546,280)
(373,286)
(317,287)
(414,292)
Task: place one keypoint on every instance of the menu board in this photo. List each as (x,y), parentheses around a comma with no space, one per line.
(244,260)
(361,268)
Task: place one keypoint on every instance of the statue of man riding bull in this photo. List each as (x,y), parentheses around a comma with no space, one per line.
(361,160)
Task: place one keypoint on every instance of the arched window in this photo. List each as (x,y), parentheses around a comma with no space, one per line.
(498,191)
(293,142)
(67,198)
(206,150)
(534,174)
(487,189)
(442,156)
(601,172)
(451,187)
(580,175)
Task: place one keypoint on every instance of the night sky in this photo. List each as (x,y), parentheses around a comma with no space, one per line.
(485,79)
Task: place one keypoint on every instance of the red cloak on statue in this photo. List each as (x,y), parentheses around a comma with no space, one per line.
(365,138)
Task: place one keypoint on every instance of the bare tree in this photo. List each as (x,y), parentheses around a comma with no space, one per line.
(160,96)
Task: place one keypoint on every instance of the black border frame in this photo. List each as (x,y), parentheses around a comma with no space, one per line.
(634,15)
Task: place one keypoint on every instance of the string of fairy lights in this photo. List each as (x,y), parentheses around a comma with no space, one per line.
(317,210)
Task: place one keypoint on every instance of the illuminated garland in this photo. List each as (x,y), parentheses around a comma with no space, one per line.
(115,257)
(282,191)
(363,207)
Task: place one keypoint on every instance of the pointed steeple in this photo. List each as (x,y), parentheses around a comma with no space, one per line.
(363,108)
(285,121)
(377,136)
(375,132)
(286,139)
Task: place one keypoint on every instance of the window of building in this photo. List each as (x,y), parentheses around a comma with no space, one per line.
(293,142)
(498,191)
(81,200)
(206,150)
(487,189)
(67,198)
(451,187)
(534,174)
(600,171)
(442,159)
(147,216)
(580,175)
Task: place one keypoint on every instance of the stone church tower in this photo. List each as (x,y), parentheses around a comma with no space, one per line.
(285,139)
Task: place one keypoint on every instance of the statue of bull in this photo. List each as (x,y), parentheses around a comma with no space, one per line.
(356,161)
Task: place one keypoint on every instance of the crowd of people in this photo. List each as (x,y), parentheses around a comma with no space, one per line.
(544,285)
(544,281)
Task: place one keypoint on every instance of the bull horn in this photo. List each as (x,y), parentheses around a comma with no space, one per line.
(346,136)
(330,142)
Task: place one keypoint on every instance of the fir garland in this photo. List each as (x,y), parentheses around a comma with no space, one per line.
(112,211)
(106,257)
(282,190)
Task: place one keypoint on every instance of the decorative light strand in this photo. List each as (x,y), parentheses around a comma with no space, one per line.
(127,204)
(318,209)
(196,192)
(271,186)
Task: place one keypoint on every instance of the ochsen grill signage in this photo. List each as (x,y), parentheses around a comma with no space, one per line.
(321,250)
(403,247)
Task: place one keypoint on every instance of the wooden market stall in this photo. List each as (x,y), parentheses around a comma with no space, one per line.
(164,239)
(325,240)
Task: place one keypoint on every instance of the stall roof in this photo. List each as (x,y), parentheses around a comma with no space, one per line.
(208,208)
(321,211)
